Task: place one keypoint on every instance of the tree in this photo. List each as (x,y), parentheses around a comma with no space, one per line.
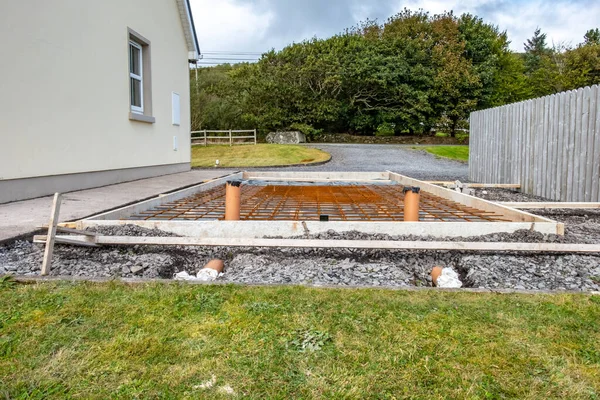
(592,37)
(535,50)
(412,72)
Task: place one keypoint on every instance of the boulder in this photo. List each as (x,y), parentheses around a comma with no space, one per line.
(293,137)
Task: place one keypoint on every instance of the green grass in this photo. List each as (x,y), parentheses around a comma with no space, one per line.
(460,153)
(260,155)
(85,340)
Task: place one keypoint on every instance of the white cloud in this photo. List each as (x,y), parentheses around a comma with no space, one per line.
(224,25)
(562,21)
(259,25)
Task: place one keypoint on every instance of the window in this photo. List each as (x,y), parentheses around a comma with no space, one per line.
(136,82)
(140,78)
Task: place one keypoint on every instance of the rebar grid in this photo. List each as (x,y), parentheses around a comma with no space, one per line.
(306,203)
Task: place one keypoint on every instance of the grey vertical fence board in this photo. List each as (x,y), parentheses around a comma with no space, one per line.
(522,149)
(596,153)
(554,147)
(501,153)
(471,143)
(582,154)
(560,144)
(514,159)
(526,147)
(571,145)
(539,120)
(568,167)
(508,142)
(577,149)
(491,147)
(589,143)
(498,137)
(494,147)
(534,144)
(478,149)
(545,139)
(546,181)
(502,146)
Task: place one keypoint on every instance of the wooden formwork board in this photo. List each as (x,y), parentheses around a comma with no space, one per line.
(550,205)
(287,229)
(470,201)
(334,244)
(129,210)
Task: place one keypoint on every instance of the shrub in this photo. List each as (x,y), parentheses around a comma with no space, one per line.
(386,129)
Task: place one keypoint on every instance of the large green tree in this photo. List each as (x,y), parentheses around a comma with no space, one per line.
(411,73)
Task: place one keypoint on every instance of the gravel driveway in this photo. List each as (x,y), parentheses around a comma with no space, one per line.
(397,158)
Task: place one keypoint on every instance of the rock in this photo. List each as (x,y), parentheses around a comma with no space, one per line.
(137,268)
(293,137)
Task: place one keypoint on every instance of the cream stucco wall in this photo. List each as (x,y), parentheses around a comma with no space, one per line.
(64,86)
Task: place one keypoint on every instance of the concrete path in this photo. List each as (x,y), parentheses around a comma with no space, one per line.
(23,217)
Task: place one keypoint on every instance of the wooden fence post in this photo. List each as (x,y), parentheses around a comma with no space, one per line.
(255,136)
(205,140)
(230,139)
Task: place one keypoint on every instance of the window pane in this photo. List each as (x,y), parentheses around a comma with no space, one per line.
(134,60)
(136,92)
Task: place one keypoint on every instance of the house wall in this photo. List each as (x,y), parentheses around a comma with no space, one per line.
(64,98)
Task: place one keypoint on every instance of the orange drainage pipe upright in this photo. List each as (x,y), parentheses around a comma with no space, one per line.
(411,203)
(233,198)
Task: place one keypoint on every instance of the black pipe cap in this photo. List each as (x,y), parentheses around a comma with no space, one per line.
(414,189)
(235,183)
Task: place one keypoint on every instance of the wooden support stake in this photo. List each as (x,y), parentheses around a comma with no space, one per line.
(49,250)
(333,244)
(85,241)
(63,229)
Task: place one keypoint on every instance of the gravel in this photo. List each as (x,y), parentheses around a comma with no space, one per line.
(343,267)
(498,194)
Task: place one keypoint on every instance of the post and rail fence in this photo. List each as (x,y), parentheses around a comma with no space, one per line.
(549,145)
(223,137)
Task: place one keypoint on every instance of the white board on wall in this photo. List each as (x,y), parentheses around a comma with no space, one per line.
(176,108)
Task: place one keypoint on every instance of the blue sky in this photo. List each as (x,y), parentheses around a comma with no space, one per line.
(255,26)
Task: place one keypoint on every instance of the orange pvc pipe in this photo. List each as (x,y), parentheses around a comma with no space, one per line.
(215,264)
(233,200)
(411,204)
(435,274)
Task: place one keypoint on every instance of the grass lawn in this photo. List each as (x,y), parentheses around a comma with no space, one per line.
(111,340)
(460,153)
(260,155)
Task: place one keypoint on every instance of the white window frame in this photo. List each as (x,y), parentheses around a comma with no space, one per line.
(139,77)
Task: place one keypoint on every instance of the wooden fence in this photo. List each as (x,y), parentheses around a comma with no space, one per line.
(229,137)
(549,145)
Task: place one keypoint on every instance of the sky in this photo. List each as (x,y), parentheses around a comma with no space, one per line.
(251,27)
